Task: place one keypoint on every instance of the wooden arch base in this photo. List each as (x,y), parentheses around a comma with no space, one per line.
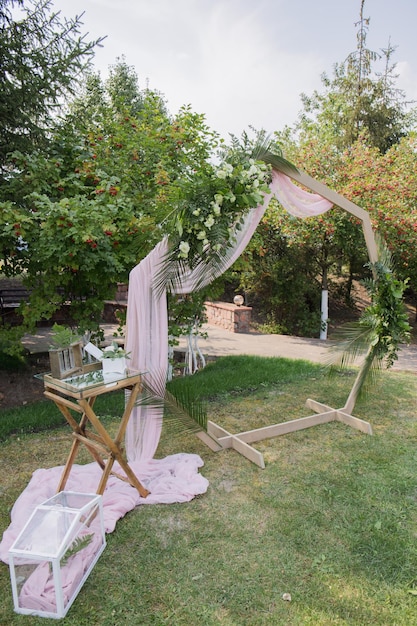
(217,438)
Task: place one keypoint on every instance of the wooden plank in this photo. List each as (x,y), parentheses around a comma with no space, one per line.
(354,422)
(216,431)
(209,441)
(62,401)
(248,452)
(91,444)
(287,427)
(318,407)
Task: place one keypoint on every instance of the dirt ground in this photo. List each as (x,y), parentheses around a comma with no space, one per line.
(20,387)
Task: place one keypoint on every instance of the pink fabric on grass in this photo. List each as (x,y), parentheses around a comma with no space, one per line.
(175,478)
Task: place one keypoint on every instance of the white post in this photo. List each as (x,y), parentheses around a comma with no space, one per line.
(324,313)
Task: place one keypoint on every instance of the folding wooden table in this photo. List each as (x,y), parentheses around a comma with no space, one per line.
(78,394)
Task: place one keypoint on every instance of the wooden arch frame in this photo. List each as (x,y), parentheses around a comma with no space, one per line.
(217,438)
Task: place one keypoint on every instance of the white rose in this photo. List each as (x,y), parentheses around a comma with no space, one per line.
(209,222)
(184,248)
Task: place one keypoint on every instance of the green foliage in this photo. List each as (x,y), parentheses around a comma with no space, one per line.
(81,214)
(212,207)
(63,336)
(42,57)
(12,363)
(386,317)
(78,544)
(383,325)
(358,100)
(186,314)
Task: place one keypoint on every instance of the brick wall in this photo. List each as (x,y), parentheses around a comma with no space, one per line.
(234,318)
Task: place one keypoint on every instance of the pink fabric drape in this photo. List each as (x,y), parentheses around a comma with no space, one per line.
(147,332)
(297,201)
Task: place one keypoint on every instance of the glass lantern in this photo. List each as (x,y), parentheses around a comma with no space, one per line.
(55,552)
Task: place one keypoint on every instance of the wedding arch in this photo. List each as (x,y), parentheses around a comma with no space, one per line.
(147,322)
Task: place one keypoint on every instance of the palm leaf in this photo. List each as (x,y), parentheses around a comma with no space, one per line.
(269,153)
(182,410)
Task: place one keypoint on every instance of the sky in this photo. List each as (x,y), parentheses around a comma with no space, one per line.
(243,63)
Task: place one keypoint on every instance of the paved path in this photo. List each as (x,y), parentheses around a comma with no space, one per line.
(221,342)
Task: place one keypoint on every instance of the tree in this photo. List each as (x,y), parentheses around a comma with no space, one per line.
(357,100)
(81,212)
(42,58)
(349,136)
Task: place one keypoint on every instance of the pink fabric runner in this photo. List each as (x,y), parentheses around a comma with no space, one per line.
(173,479)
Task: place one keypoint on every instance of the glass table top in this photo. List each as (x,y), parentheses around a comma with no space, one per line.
(89,380)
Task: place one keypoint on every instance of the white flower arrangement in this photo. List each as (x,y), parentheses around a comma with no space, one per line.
(215,207)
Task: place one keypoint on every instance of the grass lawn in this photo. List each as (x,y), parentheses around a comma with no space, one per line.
(331,520)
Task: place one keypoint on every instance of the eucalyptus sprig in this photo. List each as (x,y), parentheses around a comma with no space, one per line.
(114,351)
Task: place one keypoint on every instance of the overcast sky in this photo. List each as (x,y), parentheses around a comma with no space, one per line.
(243,62)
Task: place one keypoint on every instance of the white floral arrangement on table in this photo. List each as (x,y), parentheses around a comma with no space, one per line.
(114,360)
(214,206)
(113,357)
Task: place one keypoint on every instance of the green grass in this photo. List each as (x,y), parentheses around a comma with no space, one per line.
(41,416)
(331,520)
(237,374)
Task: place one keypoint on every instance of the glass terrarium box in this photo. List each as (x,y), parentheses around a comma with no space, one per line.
(55,552)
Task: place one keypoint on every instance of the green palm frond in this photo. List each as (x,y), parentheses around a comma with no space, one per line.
(173,271)
(351,343)
(268,153)
(183,411)
(78,544)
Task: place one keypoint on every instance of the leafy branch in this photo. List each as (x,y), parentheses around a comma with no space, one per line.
(383,325)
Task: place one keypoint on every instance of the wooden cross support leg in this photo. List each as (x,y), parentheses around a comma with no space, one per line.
(217,438)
